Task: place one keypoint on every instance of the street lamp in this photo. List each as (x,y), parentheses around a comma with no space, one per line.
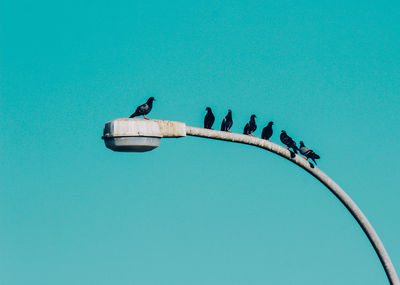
(139,135)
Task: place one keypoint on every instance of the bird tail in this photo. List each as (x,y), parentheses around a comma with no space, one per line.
(314,157)
(133,115)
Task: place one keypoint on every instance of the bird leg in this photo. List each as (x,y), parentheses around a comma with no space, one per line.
(145,117)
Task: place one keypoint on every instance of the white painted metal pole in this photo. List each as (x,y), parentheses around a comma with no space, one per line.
(317,173)
(137,135)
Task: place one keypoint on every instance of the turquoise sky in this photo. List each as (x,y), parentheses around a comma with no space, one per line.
(196,211)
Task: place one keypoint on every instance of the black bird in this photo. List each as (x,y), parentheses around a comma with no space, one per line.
(209,119)
(288,141)
(267,131)
(250,126)
(144,109)
(308,153)
(227,122)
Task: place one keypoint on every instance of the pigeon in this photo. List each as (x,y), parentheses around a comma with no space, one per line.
(227,122)
(267,131)
(209,119)
(250,126)
(288,141)
(308,153)
(144,109)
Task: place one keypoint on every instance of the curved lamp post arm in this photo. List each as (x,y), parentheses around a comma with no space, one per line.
(317,173)
(138,135)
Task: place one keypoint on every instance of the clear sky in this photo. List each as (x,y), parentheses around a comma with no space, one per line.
(196,211)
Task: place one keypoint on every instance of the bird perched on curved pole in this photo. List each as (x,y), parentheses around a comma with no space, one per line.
(251,126)
(209,119)
(308,153)
(227,122)
(267,131)
(288,141)
(144,109)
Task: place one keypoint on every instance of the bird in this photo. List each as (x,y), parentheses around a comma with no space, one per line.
(227,122)
(288,141)
(144,109)
(251,126)
(308,153)
(209,119)
(267,131)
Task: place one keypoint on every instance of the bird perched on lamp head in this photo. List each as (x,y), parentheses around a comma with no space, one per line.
(144,109)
